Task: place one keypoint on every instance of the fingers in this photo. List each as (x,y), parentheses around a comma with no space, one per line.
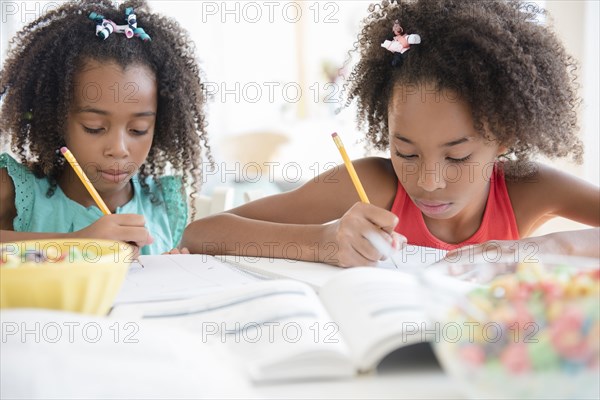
(135,235)
(366,235)
(136,252)
(379,217)
(370,252)
(379,241)
(387,246)
(398,241)
(128,219)
(128,228)
(367,251)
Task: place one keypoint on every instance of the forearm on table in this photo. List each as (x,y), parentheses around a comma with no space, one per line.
(229,234)
(585,242)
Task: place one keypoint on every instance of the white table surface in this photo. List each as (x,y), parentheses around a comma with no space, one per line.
(168,362)
(410,373)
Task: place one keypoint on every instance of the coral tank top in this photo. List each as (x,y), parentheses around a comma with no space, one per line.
(498,222)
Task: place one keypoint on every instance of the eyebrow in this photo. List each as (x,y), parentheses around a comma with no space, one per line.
(449,144)
(104,112)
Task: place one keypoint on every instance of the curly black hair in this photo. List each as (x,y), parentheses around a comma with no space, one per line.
(512,71)
(36,87)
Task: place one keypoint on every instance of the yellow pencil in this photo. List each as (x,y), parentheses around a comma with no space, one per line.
(85,180)
(380,245)
(359,187)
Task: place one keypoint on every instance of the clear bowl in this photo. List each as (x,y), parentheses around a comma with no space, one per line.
(81,275)
(518,330)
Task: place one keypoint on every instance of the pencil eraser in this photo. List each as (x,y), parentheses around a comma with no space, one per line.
(334,134)
(63,150)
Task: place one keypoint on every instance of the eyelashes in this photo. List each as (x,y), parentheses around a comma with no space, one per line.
(459,160)
(139,133)
(405,157)
(95,131)
(92,130)
(410,157)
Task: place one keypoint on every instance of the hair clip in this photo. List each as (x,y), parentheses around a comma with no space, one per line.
(400,43)
(105,27)
(132,23)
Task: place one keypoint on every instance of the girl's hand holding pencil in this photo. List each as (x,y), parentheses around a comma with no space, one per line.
(365,234)
(128,228)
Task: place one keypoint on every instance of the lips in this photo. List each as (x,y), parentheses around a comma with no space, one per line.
(114,175)
(432,203)
(433,207)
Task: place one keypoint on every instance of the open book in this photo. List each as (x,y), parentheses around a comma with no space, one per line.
(281,329)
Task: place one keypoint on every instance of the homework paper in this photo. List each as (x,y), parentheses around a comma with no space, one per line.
(179,276)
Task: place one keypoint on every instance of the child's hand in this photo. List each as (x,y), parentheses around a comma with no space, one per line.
(124,227)
(183,250)
(354,234)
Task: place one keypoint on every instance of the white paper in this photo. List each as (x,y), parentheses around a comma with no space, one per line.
(179,276)
(412,258)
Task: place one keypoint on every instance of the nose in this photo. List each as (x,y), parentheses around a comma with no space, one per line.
(116,145)
(431,177)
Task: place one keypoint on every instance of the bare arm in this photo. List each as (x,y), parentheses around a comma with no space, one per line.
(581,243)
(125,227)
(552,193)
(585,242)
(8,212)
(294,224)
(547,194)
(228,233)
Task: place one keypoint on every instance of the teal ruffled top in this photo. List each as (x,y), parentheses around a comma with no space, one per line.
(36,212)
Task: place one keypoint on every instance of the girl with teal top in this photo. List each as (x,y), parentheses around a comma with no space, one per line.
(121,89)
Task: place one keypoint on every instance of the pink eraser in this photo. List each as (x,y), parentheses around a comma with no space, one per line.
(63,150)
(334,134)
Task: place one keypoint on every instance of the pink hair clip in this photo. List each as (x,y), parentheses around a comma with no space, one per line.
(104,27)
(400,42)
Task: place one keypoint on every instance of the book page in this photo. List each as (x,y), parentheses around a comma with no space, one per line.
(279,328)
(179,276)
(378,311)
